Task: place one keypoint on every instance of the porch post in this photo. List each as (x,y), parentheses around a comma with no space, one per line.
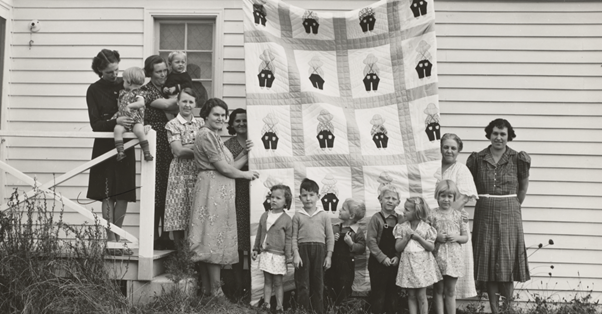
(147,211)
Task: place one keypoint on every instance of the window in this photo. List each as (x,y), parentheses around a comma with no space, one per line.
(197,39)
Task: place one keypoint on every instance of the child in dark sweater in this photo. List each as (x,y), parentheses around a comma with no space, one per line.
(349,242)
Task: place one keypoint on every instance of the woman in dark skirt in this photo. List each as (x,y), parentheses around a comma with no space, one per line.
(112,182)
(501,176)
(237,126)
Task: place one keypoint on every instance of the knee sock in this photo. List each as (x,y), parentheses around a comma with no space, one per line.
(144,145)
(119,146)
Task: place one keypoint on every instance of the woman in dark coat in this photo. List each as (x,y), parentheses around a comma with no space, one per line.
(112,182)
(501,176)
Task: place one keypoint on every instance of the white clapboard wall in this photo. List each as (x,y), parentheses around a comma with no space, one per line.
(535,63)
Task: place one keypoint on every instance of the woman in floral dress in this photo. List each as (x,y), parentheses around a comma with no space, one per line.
(181,132)
(212,231)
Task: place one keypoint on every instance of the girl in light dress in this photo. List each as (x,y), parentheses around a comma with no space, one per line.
(273,245)
(451,234)
(417,266)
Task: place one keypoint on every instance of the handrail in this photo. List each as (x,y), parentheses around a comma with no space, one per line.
(147,190)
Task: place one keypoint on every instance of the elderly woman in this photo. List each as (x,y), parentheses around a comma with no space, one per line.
(237,126)
(111,182)
(451,146)
(501,175)
(155,107)
(212,231)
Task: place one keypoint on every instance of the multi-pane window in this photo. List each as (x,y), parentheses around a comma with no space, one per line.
(196,38)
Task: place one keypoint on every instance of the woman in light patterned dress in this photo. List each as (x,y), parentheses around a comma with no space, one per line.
(181,132)
(451,146)
(212,231)
(451,234)
(417,266)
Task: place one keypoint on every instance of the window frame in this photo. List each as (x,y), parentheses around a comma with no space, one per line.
(152,18)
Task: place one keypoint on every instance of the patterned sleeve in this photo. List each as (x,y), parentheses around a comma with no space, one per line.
(524,164)
(465,183)
(471,164)
(398,232)
(460,221)
(174,133)
(431,234)
(211,146)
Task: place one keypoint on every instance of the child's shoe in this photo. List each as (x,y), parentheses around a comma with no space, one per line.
(121,156)
(148,156)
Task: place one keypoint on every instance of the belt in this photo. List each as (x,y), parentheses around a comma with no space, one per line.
(500,196)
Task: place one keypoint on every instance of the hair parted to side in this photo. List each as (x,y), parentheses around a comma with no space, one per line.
(452,136)
(233,114)
(288,195)
(149,64)
(447,186)
(134,75)
(387,188)
(189,91)
(309,185)
(422,208)
(500,124)
(103,59)
(357,208)
(210,104)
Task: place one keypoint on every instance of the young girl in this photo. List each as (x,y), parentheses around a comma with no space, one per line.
(417,266)
(451,233)
(131,104)
(274,245)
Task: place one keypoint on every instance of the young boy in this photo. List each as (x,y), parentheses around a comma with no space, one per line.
(349,241)
(382,264)
(313,243)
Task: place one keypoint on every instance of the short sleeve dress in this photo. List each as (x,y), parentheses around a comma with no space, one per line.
(182,174)
(212,231)
(156,119)
(125,98)
(417,266)
(498,239)
(243,206)
(459,173)
(110,178)
(449,255)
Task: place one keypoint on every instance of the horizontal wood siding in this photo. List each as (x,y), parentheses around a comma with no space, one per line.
(534,63)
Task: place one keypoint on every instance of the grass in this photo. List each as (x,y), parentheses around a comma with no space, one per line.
(49,266)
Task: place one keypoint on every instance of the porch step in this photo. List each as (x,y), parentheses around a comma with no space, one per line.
(125,267)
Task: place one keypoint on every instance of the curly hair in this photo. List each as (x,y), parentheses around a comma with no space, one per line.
(452,136)
(210,104)
(233,114)
(500,124)
(103,59)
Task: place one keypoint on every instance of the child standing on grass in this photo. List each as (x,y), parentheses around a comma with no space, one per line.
(274,245)
(451,234)
(382,264)
(131,104)
(313,243)
(417,266)
(349,241)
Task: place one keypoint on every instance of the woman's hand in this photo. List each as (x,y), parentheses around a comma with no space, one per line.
(125,122)
(249,145)
(251,175)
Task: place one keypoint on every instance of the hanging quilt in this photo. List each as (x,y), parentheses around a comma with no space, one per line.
(346,99)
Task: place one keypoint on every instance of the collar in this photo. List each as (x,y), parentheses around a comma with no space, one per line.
(508,154)
(183,120)
(387,216)
(318,210)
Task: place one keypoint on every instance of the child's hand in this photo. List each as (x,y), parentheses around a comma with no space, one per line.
(336,236)
(452,238)
(348,239)
(254,255)
(442,237)
(327,263)
(297,261)
(147,128)
(394,261)
(387,262)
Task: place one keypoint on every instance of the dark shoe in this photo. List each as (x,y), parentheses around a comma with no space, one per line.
(120,156)
(148,156)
